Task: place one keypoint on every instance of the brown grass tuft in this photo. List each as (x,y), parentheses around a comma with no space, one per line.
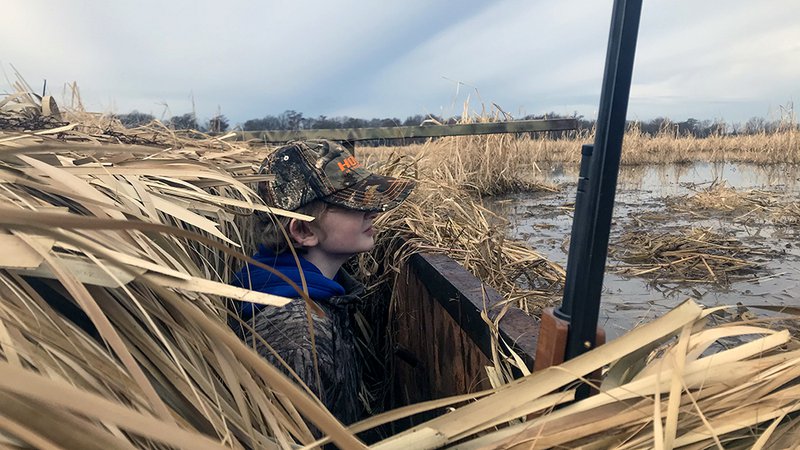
(688,256)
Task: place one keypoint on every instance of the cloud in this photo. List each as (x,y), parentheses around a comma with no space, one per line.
(511,54)
(728,58)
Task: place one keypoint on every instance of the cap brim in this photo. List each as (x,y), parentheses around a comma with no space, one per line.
(373,193)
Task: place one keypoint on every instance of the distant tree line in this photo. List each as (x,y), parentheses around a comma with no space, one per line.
(706,128)
(217,124)
(294,120)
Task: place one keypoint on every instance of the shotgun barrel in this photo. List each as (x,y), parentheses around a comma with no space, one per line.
(597,183)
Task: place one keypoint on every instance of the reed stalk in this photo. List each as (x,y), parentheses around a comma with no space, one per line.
(113,333)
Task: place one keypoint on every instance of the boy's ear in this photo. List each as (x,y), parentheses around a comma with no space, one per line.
(302,233)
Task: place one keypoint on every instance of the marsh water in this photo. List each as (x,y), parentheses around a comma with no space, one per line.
(544,221)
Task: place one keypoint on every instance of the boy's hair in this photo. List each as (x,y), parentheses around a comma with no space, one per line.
(272,231)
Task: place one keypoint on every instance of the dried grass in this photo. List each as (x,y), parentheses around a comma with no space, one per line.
(667,386)
(687,256)
(132,241)
(135,244)
(739,206)
(441,216)
(482,165)
(445,213)
(515,158)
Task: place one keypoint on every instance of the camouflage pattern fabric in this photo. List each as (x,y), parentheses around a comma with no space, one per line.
(286,330)
(324,170)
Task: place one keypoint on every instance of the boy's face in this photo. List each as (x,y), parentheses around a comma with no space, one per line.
(345,232)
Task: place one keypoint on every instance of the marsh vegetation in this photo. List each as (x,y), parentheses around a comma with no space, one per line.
(119,244)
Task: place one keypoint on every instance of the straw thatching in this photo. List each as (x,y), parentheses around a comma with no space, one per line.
(113,334)
(133,244)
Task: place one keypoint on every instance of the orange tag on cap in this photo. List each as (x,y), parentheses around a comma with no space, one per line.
(349,163)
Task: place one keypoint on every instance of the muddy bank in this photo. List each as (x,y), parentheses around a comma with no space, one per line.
(646,201)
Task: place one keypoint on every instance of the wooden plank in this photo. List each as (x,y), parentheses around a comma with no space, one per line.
(462,295)
(449,362)
(363,134)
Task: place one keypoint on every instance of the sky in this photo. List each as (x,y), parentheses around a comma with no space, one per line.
(712,59)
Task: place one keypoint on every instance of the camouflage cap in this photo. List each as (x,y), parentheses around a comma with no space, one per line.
(323,170)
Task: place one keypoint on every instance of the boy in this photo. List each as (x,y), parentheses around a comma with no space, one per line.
(323,180)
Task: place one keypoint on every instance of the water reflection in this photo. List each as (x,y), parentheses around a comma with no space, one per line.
(544,220)
(667,178)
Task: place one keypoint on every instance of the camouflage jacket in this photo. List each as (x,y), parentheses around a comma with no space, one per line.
(286,330)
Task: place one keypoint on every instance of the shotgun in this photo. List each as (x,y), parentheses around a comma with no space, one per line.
(571,329)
